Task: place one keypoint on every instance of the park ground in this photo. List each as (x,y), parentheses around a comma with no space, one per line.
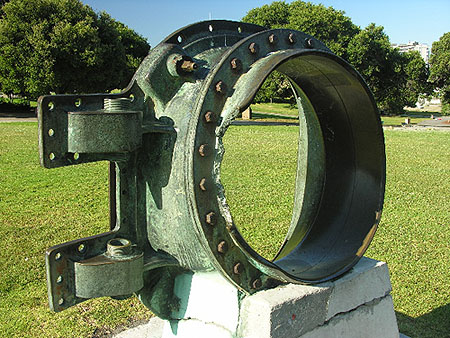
(40,208)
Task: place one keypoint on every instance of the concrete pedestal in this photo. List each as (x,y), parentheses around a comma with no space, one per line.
(356,305)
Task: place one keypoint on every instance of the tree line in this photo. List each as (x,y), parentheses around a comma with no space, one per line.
(63,46)
(396,79)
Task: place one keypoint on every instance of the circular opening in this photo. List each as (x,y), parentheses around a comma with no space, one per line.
(210,28)
(76,156)
(77,102)
(81,248)
(51,156)
(61,301)
(51,105)
(51,132)
(239,29)
(179,39)
(118,247)
(59,279)
(58,256)
(131,97)
(335,181)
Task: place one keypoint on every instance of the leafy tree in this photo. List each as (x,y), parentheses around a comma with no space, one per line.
(440,69)
(417,74)
(395,79)
(63,46)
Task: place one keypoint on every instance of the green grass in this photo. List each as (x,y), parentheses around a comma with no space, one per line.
(40,208)
(284,112)
(413,237)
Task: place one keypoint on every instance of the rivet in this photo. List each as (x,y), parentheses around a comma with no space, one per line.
(238,268)
(203,150)
(211,218)
(210,117)
(222,247)
(202,184)
(188,66)
(221,87)
(309,43)
(253,48)
(236,64)
(291,38)
(272,38)
(256,284)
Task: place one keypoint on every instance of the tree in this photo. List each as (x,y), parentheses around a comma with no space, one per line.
(395,79)
(440,70)
(417,74)
(63,46)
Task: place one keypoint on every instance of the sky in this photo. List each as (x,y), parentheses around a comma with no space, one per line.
(423,21)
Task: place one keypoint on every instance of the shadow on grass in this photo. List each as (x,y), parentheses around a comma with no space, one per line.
(256,115)
(435,324)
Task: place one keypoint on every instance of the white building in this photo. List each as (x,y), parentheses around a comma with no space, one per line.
(423,49)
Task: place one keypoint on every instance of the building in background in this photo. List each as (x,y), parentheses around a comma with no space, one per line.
(423,49)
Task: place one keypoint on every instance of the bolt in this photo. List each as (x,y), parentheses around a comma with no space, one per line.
(309,43)
(211,218)
(188,66)
(203,150)
(221,87)
(291,38)
(256,284)
(222,247)
(202,184)
(272,38)
(210,117)
(253,48)
(236,64)
(238,268)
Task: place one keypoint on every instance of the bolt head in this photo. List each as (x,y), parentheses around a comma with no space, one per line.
(309,43)
(291,38)
(236,64)
(210,117)
(202,184)
(256,284)
(238,268)
(272,38)
(203,150)
(222,247)
(253,48)
(221,87)
(211,218)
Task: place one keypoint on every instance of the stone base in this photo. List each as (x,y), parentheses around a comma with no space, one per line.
(356,305)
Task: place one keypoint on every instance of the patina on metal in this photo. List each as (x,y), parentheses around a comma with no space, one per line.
(163,137)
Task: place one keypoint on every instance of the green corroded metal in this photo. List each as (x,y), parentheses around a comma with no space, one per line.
(163,136)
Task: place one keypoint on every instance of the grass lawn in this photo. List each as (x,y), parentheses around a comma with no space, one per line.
(40,208)
(284,112)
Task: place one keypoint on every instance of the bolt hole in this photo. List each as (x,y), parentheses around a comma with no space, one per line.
(58,256)
(51,156)
(51,105)
(81,248)
(211,28)
(61,301)
(51,132)
(76,156)
(77,102)
(239,29)
(180,39)
(131,97)
(59,279)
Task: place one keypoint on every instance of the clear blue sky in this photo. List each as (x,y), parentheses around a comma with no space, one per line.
(424,21)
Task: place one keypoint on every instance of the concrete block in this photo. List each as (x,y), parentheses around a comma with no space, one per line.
(368,280)
(293,310)
(375,319)
(208,297)
(194,328)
